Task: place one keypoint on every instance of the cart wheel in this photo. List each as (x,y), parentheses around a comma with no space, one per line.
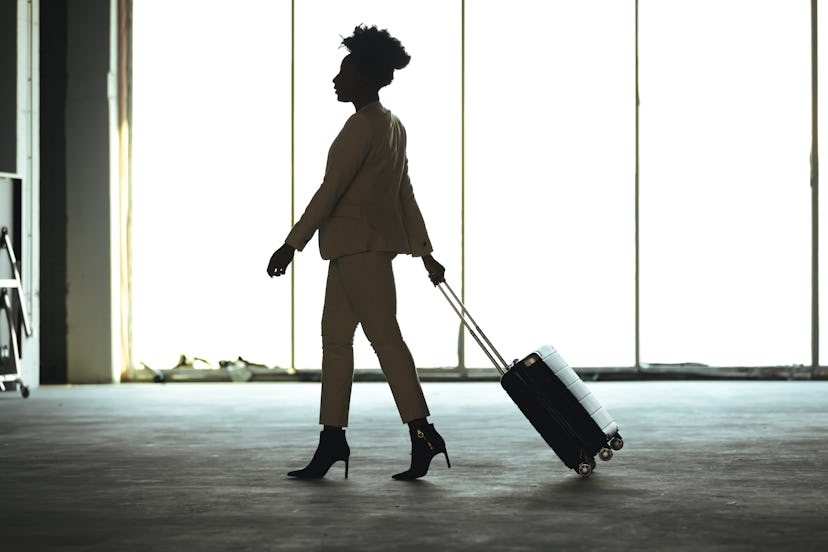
(584,469)
(605,454)
(617,443)
(24,391)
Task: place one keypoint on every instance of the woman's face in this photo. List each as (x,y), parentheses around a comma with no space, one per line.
(348,83)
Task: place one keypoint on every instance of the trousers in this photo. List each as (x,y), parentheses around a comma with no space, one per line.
(361,291)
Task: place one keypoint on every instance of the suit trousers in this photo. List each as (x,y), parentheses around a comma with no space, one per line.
(361,291)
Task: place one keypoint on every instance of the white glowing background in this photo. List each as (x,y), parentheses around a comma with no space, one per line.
(549,176)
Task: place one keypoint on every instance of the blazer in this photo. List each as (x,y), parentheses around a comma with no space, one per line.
(366,201)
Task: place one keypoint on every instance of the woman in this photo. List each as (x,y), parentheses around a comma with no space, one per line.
(366,214)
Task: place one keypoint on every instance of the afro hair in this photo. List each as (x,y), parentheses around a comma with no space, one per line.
(376,52)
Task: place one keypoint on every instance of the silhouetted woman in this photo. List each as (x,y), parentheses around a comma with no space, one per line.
(366,214)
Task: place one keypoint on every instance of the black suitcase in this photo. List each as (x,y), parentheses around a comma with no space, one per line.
(553,398)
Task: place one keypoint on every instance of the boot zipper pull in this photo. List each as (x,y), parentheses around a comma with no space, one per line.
(421,435)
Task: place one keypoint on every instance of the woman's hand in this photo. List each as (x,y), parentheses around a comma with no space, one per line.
(436,271)
(280,260)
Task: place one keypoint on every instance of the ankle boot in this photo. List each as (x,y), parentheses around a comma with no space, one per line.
(332,448)
(426,443)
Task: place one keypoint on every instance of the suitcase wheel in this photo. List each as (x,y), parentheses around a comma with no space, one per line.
(617,443)
(24,391)
(586,467)
(605,454)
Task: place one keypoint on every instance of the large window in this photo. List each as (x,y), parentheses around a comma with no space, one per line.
(521,127)
(426,97)
(211,176)
(550,178)
(725,138)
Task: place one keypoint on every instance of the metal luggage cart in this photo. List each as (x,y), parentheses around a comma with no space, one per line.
(7,287)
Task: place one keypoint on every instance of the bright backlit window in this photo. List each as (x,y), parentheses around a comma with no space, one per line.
(211,179)
(543,217)
(725,139)
(426,97)
(550,178)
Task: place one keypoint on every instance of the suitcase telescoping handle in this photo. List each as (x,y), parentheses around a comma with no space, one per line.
(473,328)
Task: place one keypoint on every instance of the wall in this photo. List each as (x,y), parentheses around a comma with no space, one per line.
(53,363)
(8,92)
(89,271)
(75,207)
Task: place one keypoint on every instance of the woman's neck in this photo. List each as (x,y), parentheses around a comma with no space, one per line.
(361,102)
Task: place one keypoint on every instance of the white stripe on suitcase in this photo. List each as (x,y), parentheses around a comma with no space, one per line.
(579,389)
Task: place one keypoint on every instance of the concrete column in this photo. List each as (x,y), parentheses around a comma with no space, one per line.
(53,192)
(92,346)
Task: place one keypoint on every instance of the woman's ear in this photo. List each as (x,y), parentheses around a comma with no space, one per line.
(369,84)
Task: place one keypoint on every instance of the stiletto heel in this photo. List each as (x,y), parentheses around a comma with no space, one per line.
(426,443)
(332,448)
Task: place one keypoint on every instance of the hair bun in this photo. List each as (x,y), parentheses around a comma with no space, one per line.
(377,51)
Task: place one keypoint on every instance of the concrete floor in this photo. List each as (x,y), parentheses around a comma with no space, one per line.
(706,466)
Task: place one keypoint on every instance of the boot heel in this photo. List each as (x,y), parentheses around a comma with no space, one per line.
(426,443)
(332,448)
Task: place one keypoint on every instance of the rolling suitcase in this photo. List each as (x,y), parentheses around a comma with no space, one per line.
(553,398)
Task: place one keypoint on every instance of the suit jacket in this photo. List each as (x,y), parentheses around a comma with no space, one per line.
(366,201)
